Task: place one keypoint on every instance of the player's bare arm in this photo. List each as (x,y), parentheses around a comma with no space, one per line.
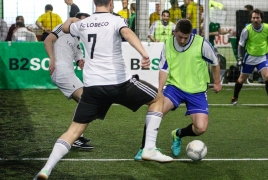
(163,75)
(134,41)
(217,79)
(50,39)
(67,23)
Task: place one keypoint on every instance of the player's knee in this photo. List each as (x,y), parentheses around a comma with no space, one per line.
(200,129)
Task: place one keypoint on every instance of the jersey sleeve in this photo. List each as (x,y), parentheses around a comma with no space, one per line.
(243,37)
(121,23)
(209,54)
(57,31)
(163,66)
(74,30)
(152,28)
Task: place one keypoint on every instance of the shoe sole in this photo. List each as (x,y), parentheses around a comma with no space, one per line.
(138,160)
(148,159)
(42,177)
(82,147)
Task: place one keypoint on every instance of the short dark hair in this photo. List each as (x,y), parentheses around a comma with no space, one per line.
(80,14)
(165,11)
(133,6)
(101,2)
(20,24)
(257,11)
(249,7)
(49,7)
(19,17)
(184,26)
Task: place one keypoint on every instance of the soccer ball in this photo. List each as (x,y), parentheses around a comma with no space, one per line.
(196,150)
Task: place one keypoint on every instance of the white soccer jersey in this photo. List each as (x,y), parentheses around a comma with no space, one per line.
(208,53)
(100,34)
(66,48)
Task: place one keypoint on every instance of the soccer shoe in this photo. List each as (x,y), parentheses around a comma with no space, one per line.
(138,156)
(84,139)
(155,155)
(42,175)
(176,143)
(80,143)
(234,101)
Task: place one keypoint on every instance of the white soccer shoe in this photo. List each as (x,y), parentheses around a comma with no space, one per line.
(155,155)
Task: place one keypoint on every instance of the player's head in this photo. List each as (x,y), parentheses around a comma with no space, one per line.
(105,3)
(68,2)
(165,16)
(48,7)
(133,7)
(157,7)
(81,15)
(248,7)
(173,2)
(19,19)
(183,31)
(256,17)
(124,4)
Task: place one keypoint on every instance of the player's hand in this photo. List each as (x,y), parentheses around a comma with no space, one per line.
(81,63)
(51,67)
(145,62)
(217,87)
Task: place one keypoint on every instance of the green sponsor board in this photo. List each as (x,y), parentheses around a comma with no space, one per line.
(25,65)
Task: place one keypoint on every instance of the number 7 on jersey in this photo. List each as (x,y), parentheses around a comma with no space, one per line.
(94,36)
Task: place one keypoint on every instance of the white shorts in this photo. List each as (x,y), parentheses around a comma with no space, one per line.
(66,80)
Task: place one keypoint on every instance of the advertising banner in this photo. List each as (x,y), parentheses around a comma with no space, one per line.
(25,65)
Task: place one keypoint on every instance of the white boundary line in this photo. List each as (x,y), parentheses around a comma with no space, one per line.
(238,105)
(257,105)
(109,160)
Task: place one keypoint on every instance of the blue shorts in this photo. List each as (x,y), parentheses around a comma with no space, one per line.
(195,103)
(248,69)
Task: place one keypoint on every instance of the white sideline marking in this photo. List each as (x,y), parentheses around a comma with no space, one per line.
(257,105)
(238,105)
(109,160)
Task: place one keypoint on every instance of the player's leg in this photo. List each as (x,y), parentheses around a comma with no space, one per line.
(72,87)
(61,148)
(81,142)
(139,93)
(263,69)
(197,108)
(87,110)
(169,93)
(167,106)
(77,94)
(245,72)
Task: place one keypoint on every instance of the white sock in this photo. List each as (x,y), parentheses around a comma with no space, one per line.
(60,149)
(153,120)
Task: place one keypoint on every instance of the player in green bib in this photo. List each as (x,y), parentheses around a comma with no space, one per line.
(184,72)
(162,29)
(252,51)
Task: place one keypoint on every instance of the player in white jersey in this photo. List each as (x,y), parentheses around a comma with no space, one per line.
(106,81)
(253,39)
(62,50)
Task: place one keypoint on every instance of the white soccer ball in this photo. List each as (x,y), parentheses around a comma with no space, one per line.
(196,150)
